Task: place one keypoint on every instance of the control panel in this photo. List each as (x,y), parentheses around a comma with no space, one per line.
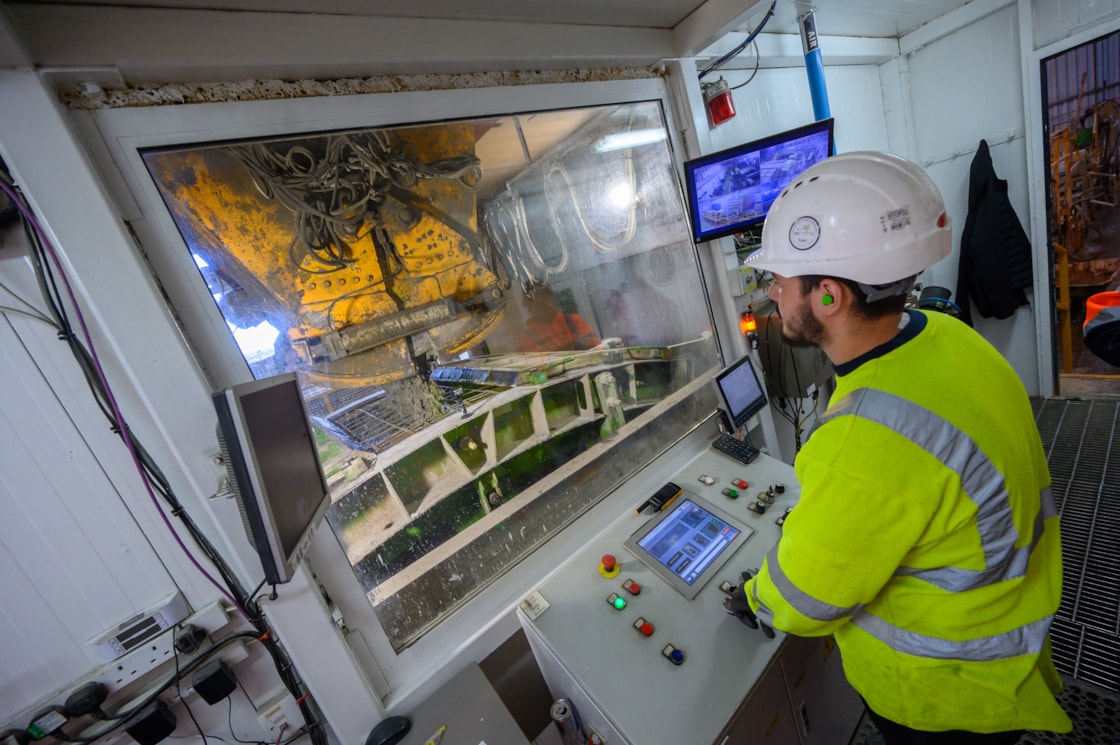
(642,644)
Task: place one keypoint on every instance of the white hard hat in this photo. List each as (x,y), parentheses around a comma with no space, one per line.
(873,218)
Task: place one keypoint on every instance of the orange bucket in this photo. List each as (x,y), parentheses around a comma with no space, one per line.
(1096,303)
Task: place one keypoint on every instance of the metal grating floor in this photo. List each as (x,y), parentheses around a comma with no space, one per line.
(1083,449)
(1095,713)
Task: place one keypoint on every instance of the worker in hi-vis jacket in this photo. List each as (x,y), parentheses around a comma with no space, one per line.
(926,539)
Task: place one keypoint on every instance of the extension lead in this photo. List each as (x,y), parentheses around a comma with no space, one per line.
(47,722)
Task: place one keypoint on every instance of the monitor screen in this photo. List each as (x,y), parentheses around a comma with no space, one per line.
(741,394)
(688,544)
(277,477)
(732,190)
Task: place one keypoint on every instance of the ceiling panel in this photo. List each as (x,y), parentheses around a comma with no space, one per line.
(662,14)
(161,41)
(874,18)
(877,18)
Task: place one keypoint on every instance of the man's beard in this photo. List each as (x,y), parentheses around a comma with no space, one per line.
(810,331)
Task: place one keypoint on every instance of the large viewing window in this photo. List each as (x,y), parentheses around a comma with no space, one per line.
(495,322)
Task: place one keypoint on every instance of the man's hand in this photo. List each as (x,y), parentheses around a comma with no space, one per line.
(737,605)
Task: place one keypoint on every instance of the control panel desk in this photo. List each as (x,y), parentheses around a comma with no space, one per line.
(621,681)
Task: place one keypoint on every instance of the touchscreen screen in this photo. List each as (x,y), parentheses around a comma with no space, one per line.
(688,540)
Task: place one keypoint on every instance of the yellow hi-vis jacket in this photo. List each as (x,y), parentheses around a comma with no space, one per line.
(926,538)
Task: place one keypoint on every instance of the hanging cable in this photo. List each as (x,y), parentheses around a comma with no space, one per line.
(55,299)
(757,63)
(43,255)
(750,37)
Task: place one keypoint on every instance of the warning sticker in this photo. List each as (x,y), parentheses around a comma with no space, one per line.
(895,219)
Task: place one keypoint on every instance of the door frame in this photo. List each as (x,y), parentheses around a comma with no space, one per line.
(1039,180)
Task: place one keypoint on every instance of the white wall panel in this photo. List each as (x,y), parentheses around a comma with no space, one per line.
(1058,19)
(965,87)
(778,99)
(75,562)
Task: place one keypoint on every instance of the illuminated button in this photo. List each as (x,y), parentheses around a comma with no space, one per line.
(740,483)
(617,601)
(632,587)
(644,626)
(730,493)
(672,654)
(608,566)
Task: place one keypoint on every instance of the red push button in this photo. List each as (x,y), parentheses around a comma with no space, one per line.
(740,483)
(608,566)
(632,587)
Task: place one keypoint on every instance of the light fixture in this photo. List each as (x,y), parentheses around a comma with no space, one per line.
(717,98)
(631,138)
(621,195)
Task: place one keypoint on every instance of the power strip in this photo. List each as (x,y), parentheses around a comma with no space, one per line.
(156,654)
(141,661)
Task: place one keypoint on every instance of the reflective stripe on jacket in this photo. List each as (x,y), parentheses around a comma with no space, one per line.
(926,538)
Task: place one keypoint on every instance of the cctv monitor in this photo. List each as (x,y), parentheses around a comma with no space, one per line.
(732,190)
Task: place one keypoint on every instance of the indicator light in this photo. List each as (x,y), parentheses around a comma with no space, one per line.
(620,603)
(717,99)
(747,324)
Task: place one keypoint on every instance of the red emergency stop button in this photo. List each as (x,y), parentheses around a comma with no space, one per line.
(608,566)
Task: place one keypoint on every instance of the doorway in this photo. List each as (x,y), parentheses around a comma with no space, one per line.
(1081,123)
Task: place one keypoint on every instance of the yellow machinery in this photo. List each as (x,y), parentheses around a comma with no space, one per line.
(365,256)
(1084,163)
(1083,176)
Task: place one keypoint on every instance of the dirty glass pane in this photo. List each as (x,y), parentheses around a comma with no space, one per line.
(495,322)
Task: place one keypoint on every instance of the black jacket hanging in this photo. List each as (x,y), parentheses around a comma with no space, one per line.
(995,260)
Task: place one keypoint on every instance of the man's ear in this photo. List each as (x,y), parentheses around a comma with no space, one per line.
(832,296)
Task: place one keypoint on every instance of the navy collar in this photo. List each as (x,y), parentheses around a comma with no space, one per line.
(913,327)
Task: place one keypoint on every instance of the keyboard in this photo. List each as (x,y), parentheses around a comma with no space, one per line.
(740,451)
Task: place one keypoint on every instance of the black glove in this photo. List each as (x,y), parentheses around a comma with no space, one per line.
(737,605)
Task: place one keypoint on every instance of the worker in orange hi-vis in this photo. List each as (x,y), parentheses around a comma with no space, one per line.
(550,329)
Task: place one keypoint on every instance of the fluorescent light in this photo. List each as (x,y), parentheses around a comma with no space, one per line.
(633,138)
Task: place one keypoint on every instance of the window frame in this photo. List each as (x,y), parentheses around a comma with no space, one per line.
(116,139)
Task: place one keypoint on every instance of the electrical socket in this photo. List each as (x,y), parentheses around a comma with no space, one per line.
(158,651)
(280,711)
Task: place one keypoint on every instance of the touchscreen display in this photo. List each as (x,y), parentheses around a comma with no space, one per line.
(688,540)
